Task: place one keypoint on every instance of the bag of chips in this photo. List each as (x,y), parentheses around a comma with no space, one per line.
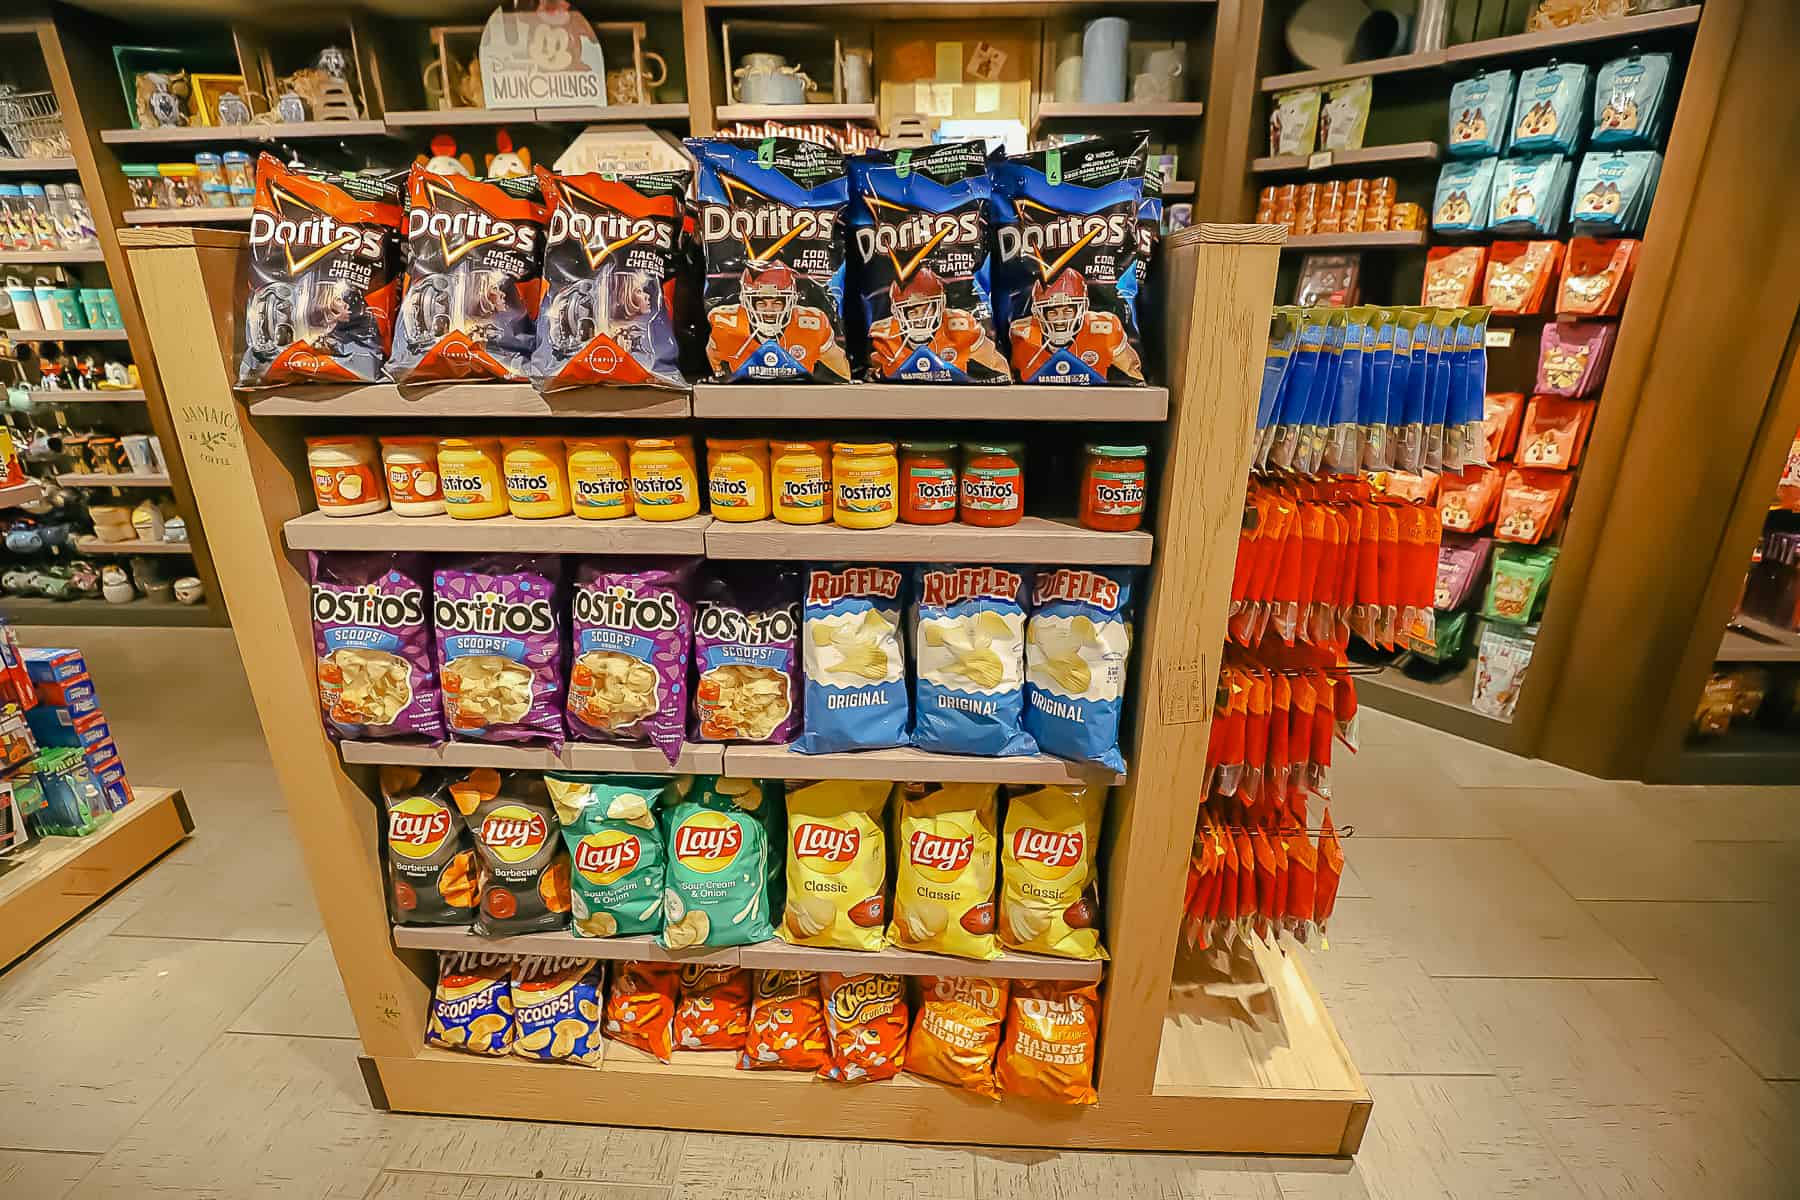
(1554,432)
(770,214)
(611,257)
(1531,505)
(969,650)
(473,281)
(431,860)
(747,653)
(1519,274)
(640,1006)
(1052,1028)
(1551,109)
(1631,101)
(1461,202)
(609,823)
(1049,881)
(524,867)
(1500,669)
(472,1007)
(714,1012)
(372,640)
(1573,357)
(633,630)
(787,1024)
(556,1009)
(856,695)
(1076,648)
(1466,502)
(323,253)
(957,1032)
(944,885)
(865,1018)
(1596,276)
(836,863)
(1479,108)
(1452,273)
(499,642)
(716,886)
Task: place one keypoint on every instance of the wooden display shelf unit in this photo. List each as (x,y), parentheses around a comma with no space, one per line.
(550,535)
(199,215)
(87,479)
(93,545)
(1425,60)
(97,613)
(28,492)
(639,948)
(695,759)
(1385,239)
(466,400)
(1754,640)
(237,134)
(932,402)
(69,335)
(34,166)
(1335,160)
(800,114)
(410,121)
(1031,540)
(910,765)
(64,396)
(47,258)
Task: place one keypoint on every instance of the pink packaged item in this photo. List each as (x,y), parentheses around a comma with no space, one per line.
(1572,357)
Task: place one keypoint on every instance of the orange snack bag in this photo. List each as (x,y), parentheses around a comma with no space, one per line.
(1052,1028)
(865,1016)
(1531,506)
(714,1011)
(1452,274)
(957,1032)
(640,1006)
(1596,274)
(1500,422)
(1519,274)
(1554,432)
(1466,502)
(787,1024)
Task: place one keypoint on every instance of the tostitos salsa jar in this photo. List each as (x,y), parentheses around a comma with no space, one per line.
(1112,487)
(928,485)
(993,483)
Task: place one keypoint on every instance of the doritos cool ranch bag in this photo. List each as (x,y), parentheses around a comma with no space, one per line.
(321,292)
(469,298)
(770,225)
(1069,269)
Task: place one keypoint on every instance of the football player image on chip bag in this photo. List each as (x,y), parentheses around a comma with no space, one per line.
(616,852)
(957,1031)
(716,885)
(1069,261)
(944,885)
(920,233)
(524,865)
(1052,1027)
(787,1024)
(1076,646)
(610,264)
(432,873)
(324,250)
(472,1008)
(373,645)
(1049,885)
(499,646)
(633,631)
(714,1012)
(747,653)
(865,1018)
(640,1006)
(836,863)
(856,694)
(969,655)
(556,1009)
(770,219)
(474,278)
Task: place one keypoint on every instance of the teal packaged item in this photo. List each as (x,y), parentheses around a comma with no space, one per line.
(617,856)
(109,304)
(1631,102)
(1530,195)
(92,307)
(1449,639)
(1613,191)
(1463,190)
(74,803)
(1480,109)
(716,889)
(1549,110)
(1518,582)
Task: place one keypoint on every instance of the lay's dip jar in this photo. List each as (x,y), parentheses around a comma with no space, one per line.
(537,483)
(664,484)
(469,472)
(600,477)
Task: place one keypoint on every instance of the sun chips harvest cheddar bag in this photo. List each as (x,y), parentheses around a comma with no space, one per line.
(616,854)
(524,868)
(836,863)
(431,861)
(957,1032)
(747,653)
(770,217)
(472,1008)
(787,1024)
(865,1018)
(1052,1028)
(640,1006)
(372,641)
(714,1012)
(633,629)
(609,270)
(1069,267)
(323,252)
(1076,647)
(556,1009)
(944,888)
(474,277)
(499,646)
(1049,888)
(855,673)
(969,651)
(716,890)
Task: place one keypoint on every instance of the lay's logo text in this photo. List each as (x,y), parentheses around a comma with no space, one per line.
(940,853)
(1048,847)
(826,842)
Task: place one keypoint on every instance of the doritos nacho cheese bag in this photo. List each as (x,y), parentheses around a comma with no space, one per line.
(524,867)
(610,277)
(432,874)
(836,863)
(616,852)
(856,695)
(373,645)
(324,250)
(957,1032)
(1076,647)
(1069,270)
(770,222)
(1049,885)
(1052,1028)
(474,277)
(944,885)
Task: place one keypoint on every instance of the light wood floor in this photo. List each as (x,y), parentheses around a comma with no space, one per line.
(1555,987)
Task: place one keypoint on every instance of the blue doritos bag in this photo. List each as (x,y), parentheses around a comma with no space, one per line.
(1070,271)
(770,223)
(855,670)
(1080,637)
(968,627)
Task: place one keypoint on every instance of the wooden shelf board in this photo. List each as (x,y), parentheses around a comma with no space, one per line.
(1575,35)
(142,613)
(1400,63)
(49,257)
(802,114)
(1032,540)
(93,545)
(409,120)
(1755,640)
(695,759)
(909,765)
(1397,152)
(591,115)
(778,955)
(900,401)
(82,479)
(283,131)
(642,948)
(188,216)
(466,400)
(1745,756)
(67,335)
(1130,110)
(1389,239)
(30,166)
(61,396)
(16,494)
(552,535)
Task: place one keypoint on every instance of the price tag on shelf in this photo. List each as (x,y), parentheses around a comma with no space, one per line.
(1319,161)
(1499,339)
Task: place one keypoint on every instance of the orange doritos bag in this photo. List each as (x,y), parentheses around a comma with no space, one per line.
(1052,1028)
(640,1006)
(787,1024)
(957,1032)
(714,1012)
(865,1016)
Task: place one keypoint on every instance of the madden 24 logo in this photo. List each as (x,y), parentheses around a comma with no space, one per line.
(1048,847)
(826,842)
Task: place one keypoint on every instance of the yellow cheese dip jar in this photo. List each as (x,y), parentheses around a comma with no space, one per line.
(537,482)
(469,472)
(801,482)
(865,484)
(737,478)
(600,477)
(664,484)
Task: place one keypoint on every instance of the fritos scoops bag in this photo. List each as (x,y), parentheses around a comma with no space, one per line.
(1049,885)
(1076,648)
(1052,1028)
(716,889)
(836,863)
(556,1009)
(499,646)
(714,1011)
(633,634)
(944,887)
(865,1019)
(856,696)
(919,227)
(610,265)
(372,640)
(524,868)
(770,218)
(319,306)
(616,851)
(472,1008)
(969,651)
(431,859)
(474,278)
(787,1024)
(640,1006)
(1069,271)
(747,653)
(957,1032)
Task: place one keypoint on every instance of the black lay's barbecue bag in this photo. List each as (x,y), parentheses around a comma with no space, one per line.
(432,875)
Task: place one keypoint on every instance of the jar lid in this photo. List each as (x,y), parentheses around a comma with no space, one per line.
(653,443)
(485,445)
(411,439)
(9,189)
(544,445)
(1107,451)
(336,439)
(796,447)
(237,156)
(927,447)
(1013,449)
(860,448)
(174,169)
(736,443)
(612,444)
(206,158)
(139,170)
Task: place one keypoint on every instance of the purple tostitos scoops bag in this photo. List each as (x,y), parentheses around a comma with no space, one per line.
(747,653)
(372,642)
(633,631)
(500,647)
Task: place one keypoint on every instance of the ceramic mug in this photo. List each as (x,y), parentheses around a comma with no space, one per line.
(623,84)
(1104,46)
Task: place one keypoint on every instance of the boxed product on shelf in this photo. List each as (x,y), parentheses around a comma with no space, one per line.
(18,744)
(75,802)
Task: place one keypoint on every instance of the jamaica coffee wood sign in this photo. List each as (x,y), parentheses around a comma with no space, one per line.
(543,57)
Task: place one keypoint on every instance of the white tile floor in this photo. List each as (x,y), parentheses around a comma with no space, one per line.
(1554,986)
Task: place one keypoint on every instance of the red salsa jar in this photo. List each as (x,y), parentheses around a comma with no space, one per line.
(1112,487)
(928,483)
(993,483)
